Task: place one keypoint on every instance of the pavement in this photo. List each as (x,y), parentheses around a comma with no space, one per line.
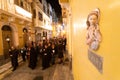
(7,66)
(54,72)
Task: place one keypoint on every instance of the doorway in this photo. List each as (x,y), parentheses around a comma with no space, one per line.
(7,40)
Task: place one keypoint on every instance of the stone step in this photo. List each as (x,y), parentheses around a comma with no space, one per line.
(7,66)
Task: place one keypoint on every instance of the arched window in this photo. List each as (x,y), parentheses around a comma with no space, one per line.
(25,30)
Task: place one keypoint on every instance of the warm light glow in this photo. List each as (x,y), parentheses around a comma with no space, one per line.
(80,25)
(60,28)
(8,39)
(48,27)
(64,31)
(75,27)
(83,23)
(114,4)
(23,12)
(29,38)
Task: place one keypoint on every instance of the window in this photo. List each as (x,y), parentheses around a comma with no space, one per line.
(44,21)
(50,13)
(25,30)
(44,8)
(40,16)
(21,4)
(16,2)
(40,1)
(34,13)
(44,34)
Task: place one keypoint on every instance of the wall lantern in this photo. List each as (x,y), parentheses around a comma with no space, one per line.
(8,40)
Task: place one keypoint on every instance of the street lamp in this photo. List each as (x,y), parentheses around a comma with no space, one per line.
(8,40)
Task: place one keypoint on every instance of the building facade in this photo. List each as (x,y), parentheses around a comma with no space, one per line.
(42,19)
(66,18)
(15,24)
(23,21)
(103,63)
(38,19)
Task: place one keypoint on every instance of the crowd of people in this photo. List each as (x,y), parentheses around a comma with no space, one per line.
(49,52)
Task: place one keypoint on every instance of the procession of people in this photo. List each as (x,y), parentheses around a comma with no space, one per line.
(49,52)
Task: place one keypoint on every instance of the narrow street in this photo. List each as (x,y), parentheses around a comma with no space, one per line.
(54,72)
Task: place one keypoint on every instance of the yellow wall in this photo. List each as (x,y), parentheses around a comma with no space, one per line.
(20,35)
(109,49)
(17,33)
(1,46)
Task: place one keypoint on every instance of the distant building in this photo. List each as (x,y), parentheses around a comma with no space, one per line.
(42,19)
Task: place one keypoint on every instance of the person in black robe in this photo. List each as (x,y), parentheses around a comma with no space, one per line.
(23,53)
(60,52)
(45,57)
(14,57)
(64,44)
(49,52)
(53,53)
(33,56)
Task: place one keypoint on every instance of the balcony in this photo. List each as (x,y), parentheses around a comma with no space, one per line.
(10,9)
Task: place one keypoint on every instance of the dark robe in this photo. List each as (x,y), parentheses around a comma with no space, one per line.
(33,58)
(45,58)
(53,54)
(60,51)
(14,58)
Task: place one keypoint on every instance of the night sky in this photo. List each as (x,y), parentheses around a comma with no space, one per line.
(55,4)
